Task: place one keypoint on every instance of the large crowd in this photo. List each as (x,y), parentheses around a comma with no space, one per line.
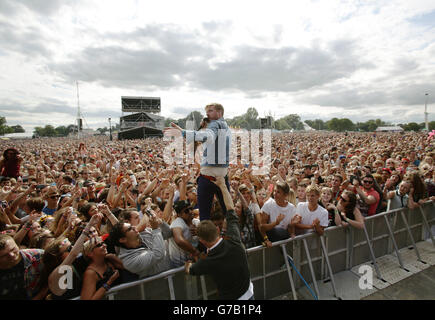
(114,211)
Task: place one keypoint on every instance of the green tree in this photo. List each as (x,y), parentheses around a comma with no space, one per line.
(168,122)
(340,125)
(291,121)
(196,117)
(281,124)
(102,130)
(47,131)
(317,124)
(4,129)
(251,118)
(18,129)
(71,128)
(412,126)
(61,131)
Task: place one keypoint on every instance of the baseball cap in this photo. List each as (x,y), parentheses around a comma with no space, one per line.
(88,183)
(181,205)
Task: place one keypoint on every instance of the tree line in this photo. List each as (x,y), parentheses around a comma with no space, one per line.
(251,120)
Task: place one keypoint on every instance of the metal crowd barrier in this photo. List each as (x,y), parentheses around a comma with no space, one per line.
(316,258)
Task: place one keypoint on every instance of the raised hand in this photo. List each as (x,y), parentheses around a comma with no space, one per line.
(154,221)
(296,219)
(34,215)
(234,184)
(114,276)
(279,218)
(165,182)
(248,183)
(95,219)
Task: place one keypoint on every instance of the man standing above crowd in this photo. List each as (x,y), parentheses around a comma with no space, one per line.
(216,139)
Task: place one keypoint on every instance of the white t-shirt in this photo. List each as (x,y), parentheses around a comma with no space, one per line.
(254,207)
(177,255)
(273,210)
(309,216)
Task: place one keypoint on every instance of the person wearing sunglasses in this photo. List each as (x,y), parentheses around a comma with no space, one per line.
(181,244)
(101,274)
(62,254)
(347,213)
(368,195)
(142,253)
(404,166)
(51,198)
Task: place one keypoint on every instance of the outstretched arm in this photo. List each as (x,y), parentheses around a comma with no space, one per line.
(55,275)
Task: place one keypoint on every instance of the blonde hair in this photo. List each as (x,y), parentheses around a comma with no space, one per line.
(312,188)
(292,197)
(89,245)
(217,106)
(379,178)
(327,189)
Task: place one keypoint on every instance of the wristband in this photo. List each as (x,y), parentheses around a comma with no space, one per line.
(106,286)
(265,238)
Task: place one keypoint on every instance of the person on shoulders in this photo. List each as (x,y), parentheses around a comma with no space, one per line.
(226,261)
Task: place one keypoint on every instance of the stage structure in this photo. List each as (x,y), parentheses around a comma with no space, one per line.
(266,123)
(145,122)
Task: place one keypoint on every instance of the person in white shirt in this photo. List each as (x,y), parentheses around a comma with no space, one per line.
(301,193)
(281,217)
(313,216)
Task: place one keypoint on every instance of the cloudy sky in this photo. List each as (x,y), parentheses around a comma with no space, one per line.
(319,59)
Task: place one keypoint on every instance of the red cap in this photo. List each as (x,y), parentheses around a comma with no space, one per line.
(387,169)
